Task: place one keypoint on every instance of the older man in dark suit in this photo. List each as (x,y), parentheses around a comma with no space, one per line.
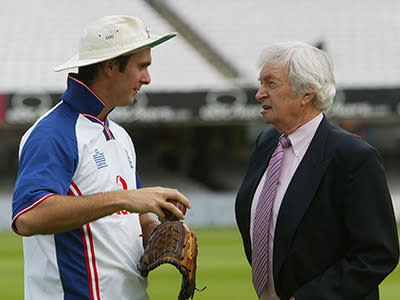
(314,209)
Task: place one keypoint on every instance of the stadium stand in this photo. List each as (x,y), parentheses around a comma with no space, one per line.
(201,99)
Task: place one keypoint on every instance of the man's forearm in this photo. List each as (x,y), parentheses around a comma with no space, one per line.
(60,213)
(148,224)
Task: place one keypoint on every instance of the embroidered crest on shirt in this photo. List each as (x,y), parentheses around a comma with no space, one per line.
(99,159)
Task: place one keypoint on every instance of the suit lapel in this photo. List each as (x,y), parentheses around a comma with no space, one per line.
(299,194)
(258,162)
(262,160)
(259,166)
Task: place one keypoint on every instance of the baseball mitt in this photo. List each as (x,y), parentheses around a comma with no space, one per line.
(175,243)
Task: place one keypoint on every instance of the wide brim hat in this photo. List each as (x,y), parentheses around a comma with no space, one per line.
(110,37)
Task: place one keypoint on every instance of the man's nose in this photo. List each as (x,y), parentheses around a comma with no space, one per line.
(146,79)
(261,93)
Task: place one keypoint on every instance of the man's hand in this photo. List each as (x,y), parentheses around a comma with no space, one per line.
(154,200)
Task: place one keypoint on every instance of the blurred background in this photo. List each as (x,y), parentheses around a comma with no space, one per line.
(194,126)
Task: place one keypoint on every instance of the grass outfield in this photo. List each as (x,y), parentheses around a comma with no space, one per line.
(221,267)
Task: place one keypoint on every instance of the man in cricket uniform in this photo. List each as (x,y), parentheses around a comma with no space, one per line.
(78,201)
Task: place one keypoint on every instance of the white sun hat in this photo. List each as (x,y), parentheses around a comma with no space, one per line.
(110,37)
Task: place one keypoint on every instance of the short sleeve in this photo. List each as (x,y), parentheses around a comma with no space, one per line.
(47,162)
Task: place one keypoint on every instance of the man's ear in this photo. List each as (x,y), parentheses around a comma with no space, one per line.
(108,66)
(308,97)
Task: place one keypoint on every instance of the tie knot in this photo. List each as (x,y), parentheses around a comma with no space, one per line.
(284,141)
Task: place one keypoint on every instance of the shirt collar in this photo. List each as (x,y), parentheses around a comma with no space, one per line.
(302,136)
(81,97)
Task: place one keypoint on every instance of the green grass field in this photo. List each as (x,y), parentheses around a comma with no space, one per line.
(221,267)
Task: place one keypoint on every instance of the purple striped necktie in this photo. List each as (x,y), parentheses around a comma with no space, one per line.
(262,219)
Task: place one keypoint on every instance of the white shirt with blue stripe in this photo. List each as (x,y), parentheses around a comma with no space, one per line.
(69,151)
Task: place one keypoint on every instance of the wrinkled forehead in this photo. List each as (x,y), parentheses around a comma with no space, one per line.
(272,70)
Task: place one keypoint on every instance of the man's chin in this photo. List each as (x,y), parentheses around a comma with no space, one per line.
(131,100)
(127,102)
(267,117)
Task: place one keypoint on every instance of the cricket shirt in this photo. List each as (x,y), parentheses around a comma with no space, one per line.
(69,151)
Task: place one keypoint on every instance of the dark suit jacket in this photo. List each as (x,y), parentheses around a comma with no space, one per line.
(336,235)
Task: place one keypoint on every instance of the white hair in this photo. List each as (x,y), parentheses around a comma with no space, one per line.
(309,70)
